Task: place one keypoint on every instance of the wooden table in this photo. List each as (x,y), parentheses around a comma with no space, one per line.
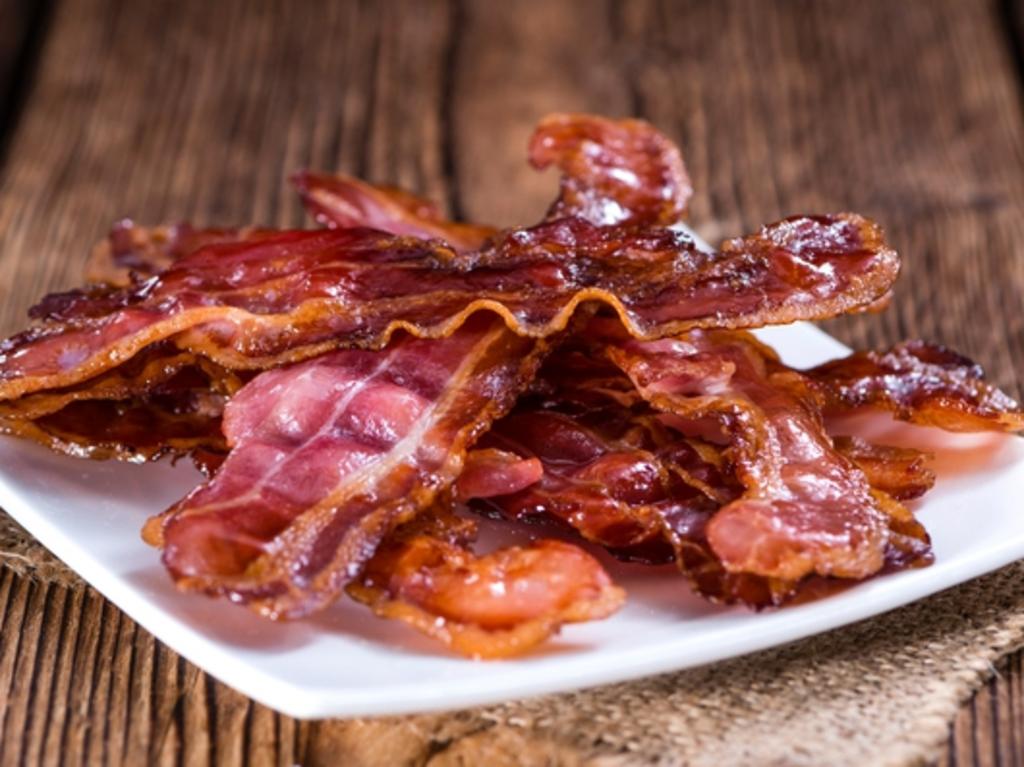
(911,112)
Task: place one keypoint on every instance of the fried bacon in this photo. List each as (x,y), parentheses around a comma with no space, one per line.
(160,403)
(135,430)
(342,201)
(485,606)
(918,382)
(900,472)
(594,484)
(329,455)
(619,477)
(256,304)
(613,171)
(130,251)
(806,508)
(343,388)
(489,472)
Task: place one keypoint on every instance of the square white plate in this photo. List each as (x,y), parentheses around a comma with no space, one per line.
(345,662)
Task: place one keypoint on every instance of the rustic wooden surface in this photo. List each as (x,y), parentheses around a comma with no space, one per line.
(912,112)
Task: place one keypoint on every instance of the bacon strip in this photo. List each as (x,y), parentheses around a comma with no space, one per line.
(900,472)
(615,474)
(160,403)
(147,372)
(918,382)
(130,251)
(329,455)
(256,304)
(604,489)
(342,201)
(492,606)
(806,509)
(135,430)
(613,171)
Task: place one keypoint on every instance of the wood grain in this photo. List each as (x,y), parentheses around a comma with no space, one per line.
(909,112)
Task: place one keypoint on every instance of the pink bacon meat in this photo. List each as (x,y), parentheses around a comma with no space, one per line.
(329,455)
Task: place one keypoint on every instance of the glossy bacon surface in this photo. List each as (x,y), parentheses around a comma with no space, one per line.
(608,468)
(494,605)
(594,483)
(161,402)
(806,508)
(130,249)
(919,382)
(296,294)
(900,472)
(342,201)
(328,456)
(621,478)
(613,171)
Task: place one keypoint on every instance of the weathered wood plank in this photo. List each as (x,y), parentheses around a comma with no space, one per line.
(909,112)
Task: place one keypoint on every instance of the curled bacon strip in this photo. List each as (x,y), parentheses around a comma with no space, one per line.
(175,422)
(918,382)
(900,472)
(160,402)
(327,456)
(806,509)
(613,171)
(614,473)
(254,304)
(492,606)
(343,201)
(489,472)
(602,487)
(134,250)
(130,252)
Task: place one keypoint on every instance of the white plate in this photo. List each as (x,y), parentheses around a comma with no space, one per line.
(345,662)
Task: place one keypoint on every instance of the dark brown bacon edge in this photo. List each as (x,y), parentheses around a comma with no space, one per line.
(161,402)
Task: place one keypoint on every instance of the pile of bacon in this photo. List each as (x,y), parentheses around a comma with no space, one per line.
(351,391)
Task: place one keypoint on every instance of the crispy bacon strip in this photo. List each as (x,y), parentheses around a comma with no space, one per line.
(130,250)
(135,430)
(918,382)
(807,509)
(601,487)
(160,402)
(156,368)
(613,171)
(485,606)
(489,472)
(342,201)
(623,480)
(608,467)
(331,454)
(900,472)
(255,304)
(167,405)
